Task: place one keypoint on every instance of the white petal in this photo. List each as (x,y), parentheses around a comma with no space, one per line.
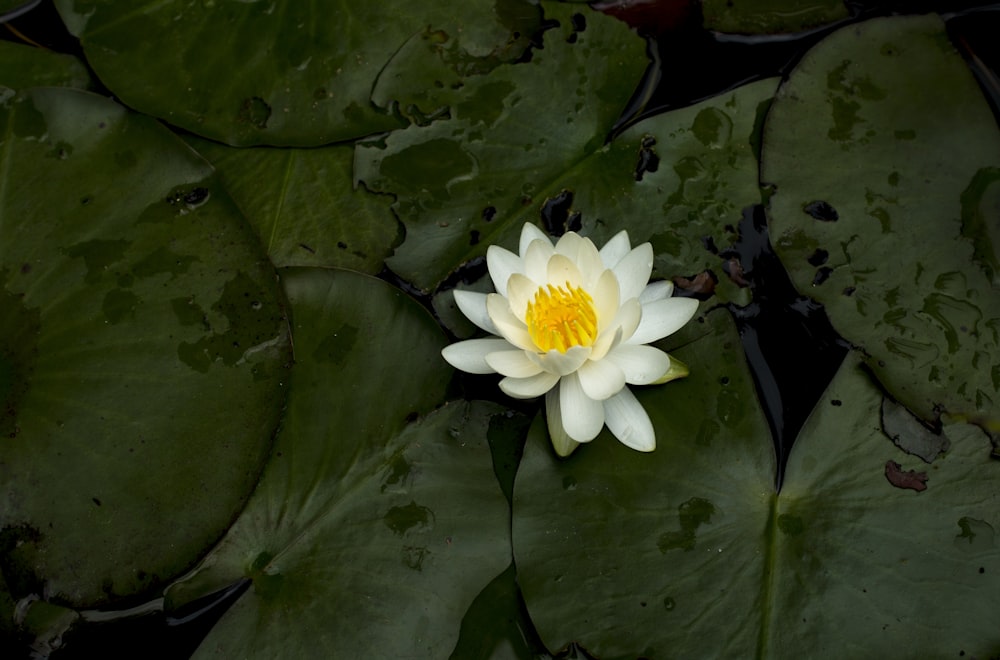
(661,318)
(528,388)
(605,294)
(626,321)
(502,264)
(629,422)
(509,326)
(641,364)
(561,364)
(569,245)
(588,260)
(470,355)
(561,442)
(633,271)
(656,291)
(530,233)
(536,261)
(582,417)
(520,291)
(513,363)
(615,249)
(563,270)
(605,343)
(601,379)
(473,305)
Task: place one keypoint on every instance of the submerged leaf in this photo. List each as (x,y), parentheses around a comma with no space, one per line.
(771,16)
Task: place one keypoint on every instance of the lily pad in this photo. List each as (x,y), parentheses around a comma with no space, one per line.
(688,552)
(142,351)
(304,207)
(269,73)
(371,528)
(886,159)
(509,155)
(771,16)
(28,66)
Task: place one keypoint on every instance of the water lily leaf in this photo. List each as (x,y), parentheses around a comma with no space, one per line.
(886,159)
(288,74)
(510,156)
(770,16)
(142,344)
(688,551)
(28,66)
(304,207)
(368,530)
(428,74)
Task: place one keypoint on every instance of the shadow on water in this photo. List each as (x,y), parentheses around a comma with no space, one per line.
(781,330)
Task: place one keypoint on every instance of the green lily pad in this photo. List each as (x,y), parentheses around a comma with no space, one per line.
(886,160)
(142,351)
(304,207)
(771,16)
(529,144)
(370,528)
(688,551)
(28,66)
(263,73)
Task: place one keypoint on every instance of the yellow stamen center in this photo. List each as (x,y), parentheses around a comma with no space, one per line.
(561,317)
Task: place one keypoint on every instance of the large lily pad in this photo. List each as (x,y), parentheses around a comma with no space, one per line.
(529,144)
(369,530)
(688,552)
(304,207)
(142,351)
(886,159)
(289,73)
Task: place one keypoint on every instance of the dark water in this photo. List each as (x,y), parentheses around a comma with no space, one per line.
(780,329)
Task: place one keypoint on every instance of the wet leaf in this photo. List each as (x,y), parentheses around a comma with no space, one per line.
(886,156)
(770,16)
(371,528)
(289,74)
(142,351)
(27,66)
(303,205)
(511,155)
(688,552)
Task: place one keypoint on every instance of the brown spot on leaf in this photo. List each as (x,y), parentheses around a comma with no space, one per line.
(701,286)
(910,479)
(734,269)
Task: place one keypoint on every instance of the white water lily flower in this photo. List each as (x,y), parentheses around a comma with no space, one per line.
(572,322)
